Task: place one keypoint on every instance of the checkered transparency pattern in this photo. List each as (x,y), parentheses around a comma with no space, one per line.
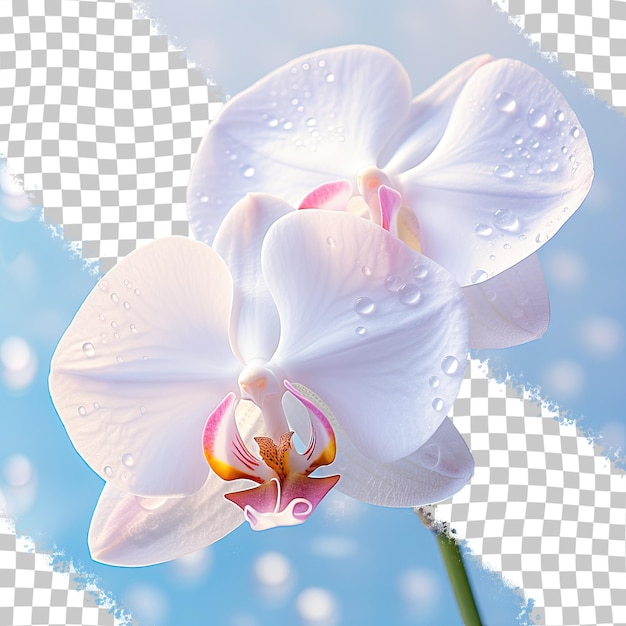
(100,117)
(545,508)
(32,592)
(588,38)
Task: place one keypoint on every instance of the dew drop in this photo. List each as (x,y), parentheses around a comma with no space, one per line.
(517,140)
(133,328)
(559,116)
(506,102)
(575,132)
(321,63)
(128,459)
(108,471)
(504,219)
(420,271)
(534,145)
(490,295)
(96,405)
(113,324)
(204,199)
(331,242)
(564,149)
(504,171)
(438,404)
(366,270)
(151,522)
(534,168)
(392,283)
(114,298)
(102,317)
(103,285)
(119,358)
(507,246)
(305,66)
(492,257)
(450,365)
(272,122)
(116,335)
(143,410)
(483,230)
(478,276)
(508,153)
(89,350)
(433,381)
(247,171)
(409,294)
(360,331)
(127,305)
(524,153)
(364,306)
(330,78)
(551,165)
(137,292)
(288,125)
(311,122)
(128,284)
(537,118)
(429,455)
(82,411)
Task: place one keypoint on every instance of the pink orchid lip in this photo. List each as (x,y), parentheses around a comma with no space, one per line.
(285,494)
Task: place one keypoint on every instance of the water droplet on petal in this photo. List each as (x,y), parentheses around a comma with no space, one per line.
(96,405)
(305,66)
(537,118)
(114,298)
(204,199)
(504,171)
(108,471)
(490,295)
(119,358)
(247,171)
(392,283)
(113,324)
(551,165)
(506,102)
(288,125)
(128,459)
(128,284)
(89,350)
(420,271)
(478,276)
(438,404)
(504,219)
(483,230)
(330,78)
(331,242)
(559,116)
(311,122)
(102,317)
(321,63)
(127,305)
(508,153)
(575,132)
(151,522)
(450,365)
(137,292)
(272,122)
(82,411)
(364,306)
(433,381)
(133,328)
(366,270)
(534,168)
(517,140)
(409,294)
(360,330)
(103,285)
(143,410)
(430,453)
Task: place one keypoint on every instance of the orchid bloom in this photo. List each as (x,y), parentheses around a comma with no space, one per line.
(188,368)
(476,173)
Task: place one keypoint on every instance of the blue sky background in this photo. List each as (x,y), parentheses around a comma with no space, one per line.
(374,565)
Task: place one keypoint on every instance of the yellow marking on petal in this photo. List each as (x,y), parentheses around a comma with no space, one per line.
(409,229)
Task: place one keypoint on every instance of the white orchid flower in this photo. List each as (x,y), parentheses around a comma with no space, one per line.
(182,353)
(487,165)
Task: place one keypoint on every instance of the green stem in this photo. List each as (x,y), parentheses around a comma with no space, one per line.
(453,560)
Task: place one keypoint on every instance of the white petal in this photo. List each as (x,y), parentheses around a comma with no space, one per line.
(255,327)
(321,117)
(142,365)
(427,119)
(511,168)
(509,309)
(125,530)
(366,323)
(440,468)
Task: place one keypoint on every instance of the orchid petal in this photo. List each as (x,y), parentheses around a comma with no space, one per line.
(440,468)
(124,531)
(511,168)
(322,448)
(427,119)
(295,130)
(255,326)
(285,503)
(390,202)
(509,309)
(143,363)
(224,448)
(330,196)
(366,322)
